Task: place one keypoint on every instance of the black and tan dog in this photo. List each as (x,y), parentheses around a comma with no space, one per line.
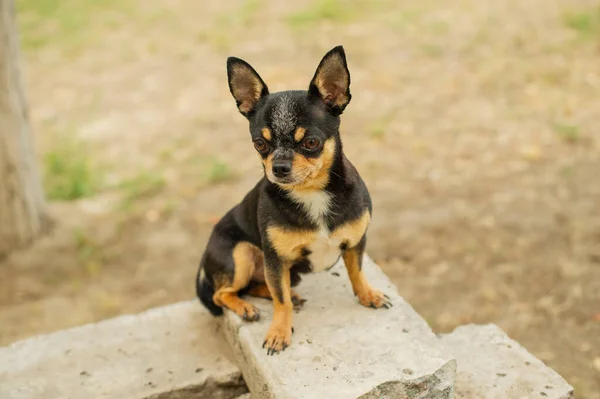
(310,208)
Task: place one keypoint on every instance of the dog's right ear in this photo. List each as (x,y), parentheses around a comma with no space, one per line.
(245,85)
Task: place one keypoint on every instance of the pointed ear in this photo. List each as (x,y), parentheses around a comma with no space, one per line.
(331,82)
(245,85)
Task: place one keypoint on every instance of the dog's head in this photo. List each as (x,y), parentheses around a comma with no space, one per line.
(295,132)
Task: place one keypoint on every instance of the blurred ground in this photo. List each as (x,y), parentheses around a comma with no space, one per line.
(476,125)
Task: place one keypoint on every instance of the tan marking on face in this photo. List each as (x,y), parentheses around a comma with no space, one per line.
(289,243)
(352,232)
(307,173)
(315,171)
(303,168)
(268,164)
(266,133)
(299,134)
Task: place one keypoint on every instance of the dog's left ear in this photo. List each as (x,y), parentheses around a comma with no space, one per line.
(331,82)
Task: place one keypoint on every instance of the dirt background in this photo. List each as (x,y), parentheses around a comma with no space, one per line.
(476,125)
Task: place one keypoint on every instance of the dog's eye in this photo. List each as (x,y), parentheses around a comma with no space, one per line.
(260,145)
(311,143)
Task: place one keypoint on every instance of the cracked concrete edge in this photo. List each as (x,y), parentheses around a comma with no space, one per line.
(439,385)
(231,386)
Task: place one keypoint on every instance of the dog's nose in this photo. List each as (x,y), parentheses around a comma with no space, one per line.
(282,168)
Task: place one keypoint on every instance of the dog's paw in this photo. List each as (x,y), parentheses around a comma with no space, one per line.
(278,338)
(248,312)
(374,299)
(298,301)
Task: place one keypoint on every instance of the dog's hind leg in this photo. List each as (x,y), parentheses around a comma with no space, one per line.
(245,256)
(260,290)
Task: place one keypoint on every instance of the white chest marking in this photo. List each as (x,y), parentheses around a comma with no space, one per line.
(325,250)
(316,203)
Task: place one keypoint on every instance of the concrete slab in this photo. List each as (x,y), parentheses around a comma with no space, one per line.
(341,349)
(176,351)
(493,366)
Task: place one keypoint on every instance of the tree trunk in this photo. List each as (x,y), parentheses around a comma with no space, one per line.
(23,213)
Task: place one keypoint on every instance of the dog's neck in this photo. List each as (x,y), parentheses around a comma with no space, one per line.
(316,203)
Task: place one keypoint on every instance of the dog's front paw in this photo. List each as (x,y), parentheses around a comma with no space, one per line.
(278,338)
(374,299)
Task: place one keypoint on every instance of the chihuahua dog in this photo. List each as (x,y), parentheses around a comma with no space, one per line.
(310,208)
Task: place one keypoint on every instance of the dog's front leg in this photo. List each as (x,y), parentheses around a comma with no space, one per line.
(367,296)
(277,276)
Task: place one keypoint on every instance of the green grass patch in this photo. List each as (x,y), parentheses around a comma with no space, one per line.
(166,154)
(432,49)
(69,173)
(169,207)
(141,186)
(567,132)
(248,11)
(585,22)
(205,168)
(380,127)
(67,23)
(88,252)
(567,171)
(218,171)
(228,24)
(336,11)
(439,28)
(219,38)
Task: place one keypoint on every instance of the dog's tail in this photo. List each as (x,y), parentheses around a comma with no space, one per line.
(205,291)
